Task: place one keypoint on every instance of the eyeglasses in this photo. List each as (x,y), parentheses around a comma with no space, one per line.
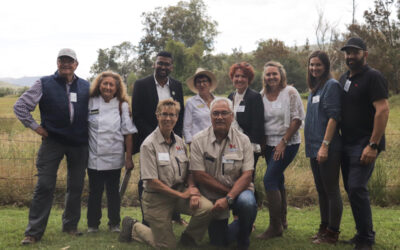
(66,60)
(224,114)
(202,81)
(165,115)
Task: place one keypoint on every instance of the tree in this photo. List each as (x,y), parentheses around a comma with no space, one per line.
(119,58)
(187,23)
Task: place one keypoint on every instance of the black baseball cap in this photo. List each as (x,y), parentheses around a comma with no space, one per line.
(355,42)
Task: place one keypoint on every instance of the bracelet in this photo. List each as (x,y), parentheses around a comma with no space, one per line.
(284,140)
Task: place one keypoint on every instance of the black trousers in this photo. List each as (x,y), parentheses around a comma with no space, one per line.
(97,181)
(326,178)
(48,160)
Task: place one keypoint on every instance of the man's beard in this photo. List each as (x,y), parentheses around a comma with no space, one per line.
(357,64)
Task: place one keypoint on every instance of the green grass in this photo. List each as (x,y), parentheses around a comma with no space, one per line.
(303,223)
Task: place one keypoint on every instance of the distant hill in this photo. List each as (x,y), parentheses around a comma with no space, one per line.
(6,85)
(21,82)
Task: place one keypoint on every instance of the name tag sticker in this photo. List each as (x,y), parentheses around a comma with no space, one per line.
(276,105)
(240,108)
(347,86)
(72,97)
(200,106)
(315,99)
(163,156)
(227,161)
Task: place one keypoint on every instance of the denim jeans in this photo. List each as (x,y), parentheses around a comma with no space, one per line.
(222,234)
(274,178)
(355,180)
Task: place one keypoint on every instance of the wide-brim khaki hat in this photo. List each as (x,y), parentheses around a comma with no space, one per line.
(201,71)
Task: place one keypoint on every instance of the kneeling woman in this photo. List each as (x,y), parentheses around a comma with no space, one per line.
(323,143)
(110,127)
(164,171)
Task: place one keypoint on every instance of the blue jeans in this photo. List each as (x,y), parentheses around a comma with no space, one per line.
(222,234)
(274,178)
(355,180)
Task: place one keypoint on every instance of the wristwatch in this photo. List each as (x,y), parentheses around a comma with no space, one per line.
(326,142)
(373,145)
(230,201)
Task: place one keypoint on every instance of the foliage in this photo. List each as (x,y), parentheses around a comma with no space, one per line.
(186,23)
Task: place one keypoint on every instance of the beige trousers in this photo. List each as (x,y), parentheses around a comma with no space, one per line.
(158,209)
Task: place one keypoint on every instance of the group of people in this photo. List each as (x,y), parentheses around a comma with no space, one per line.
(92,126)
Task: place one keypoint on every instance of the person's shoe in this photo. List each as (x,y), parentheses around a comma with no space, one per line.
(73,232)
(92,229)
(362,246)
(320,233)
(187,241)
(126,233)
(28,240)
(351,241)
(275,228)
(330,237)
(114,229)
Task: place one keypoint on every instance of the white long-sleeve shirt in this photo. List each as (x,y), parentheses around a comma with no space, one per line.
(107,128)
(196,118)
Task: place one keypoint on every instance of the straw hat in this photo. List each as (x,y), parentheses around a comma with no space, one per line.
(201,71)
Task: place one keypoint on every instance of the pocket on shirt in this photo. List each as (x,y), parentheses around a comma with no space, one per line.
(233,169)
(166,173)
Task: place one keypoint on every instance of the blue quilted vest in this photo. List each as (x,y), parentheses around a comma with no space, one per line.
(54,110)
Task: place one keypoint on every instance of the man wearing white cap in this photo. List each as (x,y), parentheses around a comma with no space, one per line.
(63,103)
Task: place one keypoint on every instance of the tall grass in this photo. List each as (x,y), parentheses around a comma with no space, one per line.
(19,146)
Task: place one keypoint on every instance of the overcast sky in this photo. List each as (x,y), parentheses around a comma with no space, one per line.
(33,31)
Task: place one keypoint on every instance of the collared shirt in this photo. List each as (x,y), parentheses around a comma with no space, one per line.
(225,161)
(197,117)
(163,92)
(324,104)
(160,160)
(28,102)
(107,127)
(237,99)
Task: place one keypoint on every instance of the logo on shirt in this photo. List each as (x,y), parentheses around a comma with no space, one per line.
(232,148)
(180,149)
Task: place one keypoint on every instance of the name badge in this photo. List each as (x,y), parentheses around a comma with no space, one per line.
(72,97)
(276,105)
(347,85)
(200,106)
(240,108)
(163,156)
(94,112)
(315,99)
(227,161)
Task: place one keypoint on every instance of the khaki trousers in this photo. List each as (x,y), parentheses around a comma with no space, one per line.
(158,209)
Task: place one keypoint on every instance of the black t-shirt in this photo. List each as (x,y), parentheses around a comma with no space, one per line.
(358,112)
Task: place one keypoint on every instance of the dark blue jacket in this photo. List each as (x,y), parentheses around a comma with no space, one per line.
(54,110)
(322,105)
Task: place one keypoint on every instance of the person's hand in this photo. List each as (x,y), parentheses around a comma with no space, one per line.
(368,155)
(42,132)
(186,194)
(194,201)
(279,151)
(129,163)
(322,154)
(194,191)
(220,205)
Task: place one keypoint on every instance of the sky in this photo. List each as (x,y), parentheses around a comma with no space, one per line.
(32,32)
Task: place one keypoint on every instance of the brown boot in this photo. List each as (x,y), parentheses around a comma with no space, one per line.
(275,228)
(284,209)
(329,236)
(320,233)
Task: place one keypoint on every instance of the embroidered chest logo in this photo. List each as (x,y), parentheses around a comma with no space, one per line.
(232,148)
(180,149)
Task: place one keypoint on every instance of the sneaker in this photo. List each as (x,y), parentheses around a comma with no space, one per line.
(126,233)
(28,240)
(92,229)
(114,229)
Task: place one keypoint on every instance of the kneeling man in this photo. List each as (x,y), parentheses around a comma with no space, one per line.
(168,187)
(221,161)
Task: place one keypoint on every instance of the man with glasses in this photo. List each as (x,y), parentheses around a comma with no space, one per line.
(221,161)
(63,103)
(147,92)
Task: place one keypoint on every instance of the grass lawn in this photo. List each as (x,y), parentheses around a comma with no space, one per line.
(303,223)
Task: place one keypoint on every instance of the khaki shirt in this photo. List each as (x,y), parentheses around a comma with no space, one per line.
(165,162)
(225,161)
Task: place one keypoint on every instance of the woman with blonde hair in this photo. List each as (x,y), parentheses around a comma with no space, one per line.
(110,131)
(283,116)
